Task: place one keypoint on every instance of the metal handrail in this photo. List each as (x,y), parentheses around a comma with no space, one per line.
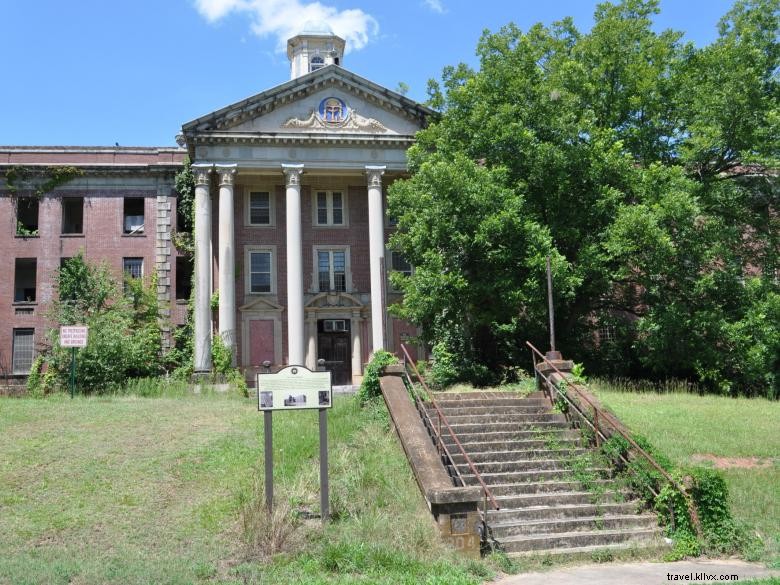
(604,415)
(438,436)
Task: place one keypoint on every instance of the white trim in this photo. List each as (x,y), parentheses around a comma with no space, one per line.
(315,272)
(248,272)
(271,190)
(329,194)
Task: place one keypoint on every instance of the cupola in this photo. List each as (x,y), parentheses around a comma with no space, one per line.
(314,47)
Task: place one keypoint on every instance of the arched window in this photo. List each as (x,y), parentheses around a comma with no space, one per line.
(317,62)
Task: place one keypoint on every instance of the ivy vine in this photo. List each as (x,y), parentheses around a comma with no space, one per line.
(20,178)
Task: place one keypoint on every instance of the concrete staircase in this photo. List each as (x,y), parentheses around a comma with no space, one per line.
(554,496)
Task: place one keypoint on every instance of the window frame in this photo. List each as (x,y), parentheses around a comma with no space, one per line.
(319,65)
(329,208)
(248,206)
(390,256)
(248,251)
(16,330)
(33,263)
(315,284)
(69,199)
(125,215)
(126,272)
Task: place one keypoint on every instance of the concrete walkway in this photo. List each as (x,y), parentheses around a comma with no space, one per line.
(644,574)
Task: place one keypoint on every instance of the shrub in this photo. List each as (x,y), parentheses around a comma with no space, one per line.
(444,370)
(370,387)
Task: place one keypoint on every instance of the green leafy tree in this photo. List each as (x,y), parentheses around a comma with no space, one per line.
(646,167)
(124,334)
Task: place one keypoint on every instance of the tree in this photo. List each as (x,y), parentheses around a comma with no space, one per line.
(124,334)
(646,167)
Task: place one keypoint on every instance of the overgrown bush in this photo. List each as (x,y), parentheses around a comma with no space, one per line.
(444,370)
(369,388)
(124,338)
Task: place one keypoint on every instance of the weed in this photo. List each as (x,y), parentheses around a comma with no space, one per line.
(265,534)
(602,556)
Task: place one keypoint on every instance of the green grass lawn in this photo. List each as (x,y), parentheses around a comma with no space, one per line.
(688,426)
(151,490)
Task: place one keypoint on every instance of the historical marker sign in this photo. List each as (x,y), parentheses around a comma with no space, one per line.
(73,336)
(292,388)
(295,388)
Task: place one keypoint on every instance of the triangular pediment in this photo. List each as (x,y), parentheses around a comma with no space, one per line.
(261,304)
(329,101)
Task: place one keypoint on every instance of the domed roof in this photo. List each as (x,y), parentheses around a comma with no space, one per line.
(316,27)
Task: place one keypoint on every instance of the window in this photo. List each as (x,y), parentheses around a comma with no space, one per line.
(334,325)
(72,215)
(332,270)
(183,277)
(133,267)
(260,271)
(133,222)
(317,62)
(259,208)
(25,279)
(27,216)
(399,264)
(606,333)
(329,208)
(23,350)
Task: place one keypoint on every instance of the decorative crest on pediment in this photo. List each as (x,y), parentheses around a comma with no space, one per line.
(333,114)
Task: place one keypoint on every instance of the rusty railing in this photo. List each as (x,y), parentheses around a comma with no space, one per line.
(600,416)
(443,423)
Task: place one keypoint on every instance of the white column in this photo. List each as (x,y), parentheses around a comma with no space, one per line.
(227,259)
(357,366)
(376,247)
(311,351)
(202,316)
(295,332)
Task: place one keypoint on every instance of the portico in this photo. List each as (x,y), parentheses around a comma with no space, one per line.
(298,174)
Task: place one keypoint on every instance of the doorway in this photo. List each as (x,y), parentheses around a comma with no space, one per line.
(334,346)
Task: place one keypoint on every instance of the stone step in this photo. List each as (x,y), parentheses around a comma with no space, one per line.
(550,435)
(588,552)
(494,427)
(501,531)
(563,540)
(518,454)
(543,486)
(475,447)
(518,501)
(522,419)
(523,465)
(509,400)
(529,475)
(487,410)
(486,395)
(553,512)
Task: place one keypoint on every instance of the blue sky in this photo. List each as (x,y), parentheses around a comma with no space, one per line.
(98,72)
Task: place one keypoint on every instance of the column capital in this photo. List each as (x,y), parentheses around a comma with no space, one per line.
(202,172)
(292,174)
(374,175)
(227,174)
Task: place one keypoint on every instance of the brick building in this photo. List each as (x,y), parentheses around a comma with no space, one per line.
(289,220)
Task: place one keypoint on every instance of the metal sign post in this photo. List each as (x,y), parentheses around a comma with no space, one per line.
(295,388)
(73,336)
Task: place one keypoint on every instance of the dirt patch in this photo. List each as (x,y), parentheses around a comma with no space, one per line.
(732,462)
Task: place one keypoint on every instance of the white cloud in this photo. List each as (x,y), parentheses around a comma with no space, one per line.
(435,5)
(285,18)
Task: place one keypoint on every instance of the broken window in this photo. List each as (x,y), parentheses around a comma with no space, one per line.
(183,277)
(134,215)
(25,278)
(27,216)
(72,215)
